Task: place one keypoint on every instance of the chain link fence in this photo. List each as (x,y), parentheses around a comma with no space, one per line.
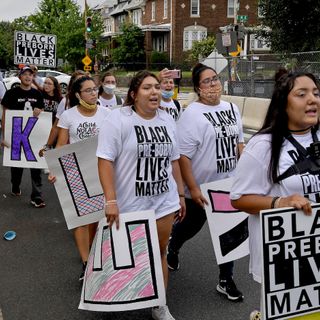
(253,75)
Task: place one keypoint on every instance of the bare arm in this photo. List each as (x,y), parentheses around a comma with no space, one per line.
(188,178)
(51,139)
(3,122)
(106,176)
(240,149)
(178,178)
(63,137)
(254,203)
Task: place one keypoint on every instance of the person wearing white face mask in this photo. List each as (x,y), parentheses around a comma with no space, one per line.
(167,103)
(107,97)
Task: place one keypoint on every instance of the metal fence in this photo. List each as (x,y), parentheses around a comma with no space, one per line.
(253,75)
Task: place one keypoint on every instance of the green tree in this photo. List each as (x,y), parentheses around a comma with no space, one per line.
(201,49)
(6,44)
(291,25)
(130,48)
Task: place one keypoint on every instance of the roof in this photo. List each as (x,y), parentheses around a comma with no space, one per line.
(156,27)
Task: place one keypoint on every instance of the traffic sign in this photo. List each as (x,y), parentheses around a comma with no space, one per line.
(242,18)
(87,68)
(86,60)
(237,52)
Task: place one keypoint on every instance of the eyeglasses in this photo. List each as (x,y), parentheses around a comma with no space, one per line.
(90,90)
(213,80)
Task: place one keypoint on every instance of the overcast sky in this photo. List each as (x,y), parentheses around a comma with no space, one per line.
(11,9)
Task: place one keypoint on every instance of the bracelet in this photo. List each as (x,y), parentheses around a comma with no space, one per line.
(181,195)
(111,202)
(277,202)
(274,199)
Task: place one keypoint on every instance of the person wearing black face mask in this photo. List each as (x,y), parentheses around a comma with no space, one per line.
(107,96)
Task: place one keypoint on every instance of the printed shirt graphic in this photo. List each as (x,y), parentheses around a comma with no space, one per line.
(19,99)
(171,109)
(142,151)
(208,135)
(252,178)
(81,127)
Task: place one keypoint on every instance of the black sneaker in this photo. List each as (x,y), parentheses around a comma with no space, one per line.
(84,265)
(229,288)
(38,203)
(173,260)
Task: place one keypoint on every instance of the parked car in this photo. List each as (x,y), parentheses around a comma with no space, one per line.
(62,78)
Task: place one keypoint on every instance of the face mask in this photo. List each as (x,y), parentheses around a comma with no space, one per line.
(86,105)
(211,94)
(109,88)
(167,94)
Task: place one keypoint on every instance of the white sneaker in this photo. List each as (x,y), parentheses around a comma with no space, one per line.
(161,313)
(255,315)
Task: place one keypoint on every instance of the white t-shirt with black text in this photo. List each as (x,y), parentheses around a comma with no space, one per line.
(209,137)
(170,108)
(82,127)
(142,151)
(251,177)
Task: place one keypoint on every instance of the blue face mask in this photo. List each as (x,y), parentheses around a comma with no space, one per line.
(167,94)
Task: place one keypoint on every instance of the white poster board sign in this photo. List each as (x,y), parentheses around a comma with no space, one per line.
(291,263)
(77,182)
(26,135)
(124,267)
(35,48)
(228,226)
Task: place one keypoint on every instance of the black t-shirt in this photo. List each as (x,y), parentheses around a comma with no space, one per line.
(17,98)
(51,104)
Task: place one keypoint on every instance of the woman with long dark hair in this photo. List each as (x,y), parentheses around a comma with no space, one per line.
(127,146)
(275,167)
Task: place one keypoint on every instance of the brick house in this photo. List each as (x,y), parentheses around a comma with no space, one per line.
(171,26)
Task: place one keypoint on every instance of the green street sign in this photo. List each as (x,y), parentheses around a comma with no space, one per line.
(242,18)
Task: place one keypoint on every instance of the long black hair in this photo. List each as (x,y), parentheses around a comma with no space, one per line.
(76,88)
(276,120)
(196,72)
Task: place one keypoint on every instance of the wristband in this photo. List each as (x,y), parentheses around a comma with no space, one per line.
(46,147)
(111,202)
(277,202)
(181,196)
(274,199)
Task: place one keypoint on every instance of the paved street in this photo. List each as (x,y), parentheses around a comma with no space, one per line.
(40,269)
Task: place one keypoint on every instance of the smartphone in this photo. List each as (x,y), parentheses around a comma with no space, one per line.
(175,74)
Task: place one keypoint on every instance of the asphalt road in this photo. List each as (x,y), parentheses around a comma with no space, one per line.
(39,269)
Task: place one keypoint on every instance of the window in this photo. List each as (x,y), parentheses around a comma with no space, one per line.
(153,10)
(159,43)
(191,34)
(257,43)
(195,7)
(230,12)
(165,9)
(108,26)
(136,17)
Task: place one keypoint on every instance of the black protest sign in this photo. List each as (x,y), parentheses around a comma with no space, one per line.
(291,262)
(35,48)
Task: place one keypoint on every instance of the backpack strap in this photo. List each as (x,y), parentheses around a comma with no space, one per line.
(177,103)
(118,100)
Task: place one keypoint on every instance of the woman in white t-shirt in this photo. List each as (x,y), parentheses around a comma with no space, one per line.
(210,141)
(265,177)
(63,105)
(138,163)
(107,96)
(80,122)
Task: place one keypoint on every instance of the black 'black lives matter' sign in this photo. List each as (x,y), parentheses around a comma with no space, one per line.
(291,262)
(35,48)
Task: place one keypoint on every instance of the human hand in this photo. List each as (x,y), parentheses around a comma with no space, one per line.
(182,211)
(197,197)
(297,201)
(52,179)
(36,112)
(112,214)
(5,144)
(165,74)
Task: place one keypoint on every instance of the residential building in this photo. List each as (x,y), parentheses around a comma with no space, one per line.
(171,26)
